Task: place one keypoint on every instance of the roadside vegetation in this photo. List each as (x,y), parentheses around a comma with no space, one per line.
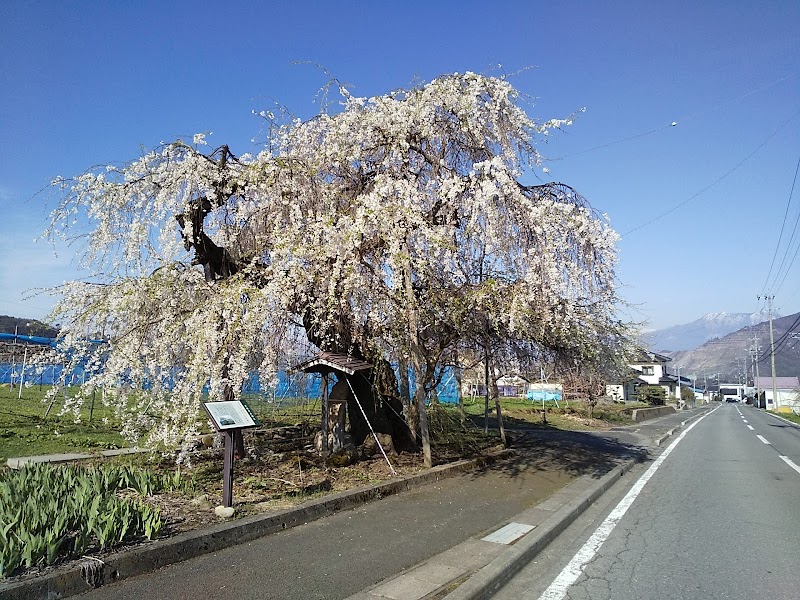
(50,513)
(28,428)
(573,416)
(790,416)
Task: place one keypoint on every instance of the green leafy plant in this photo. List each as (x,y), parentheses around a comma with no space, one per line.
(50,513)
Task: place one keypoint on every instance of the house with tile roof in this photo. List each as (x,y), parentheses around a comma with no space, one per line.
(647,368)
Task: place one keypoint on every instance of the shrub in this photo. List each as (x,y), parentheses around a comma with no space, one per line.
(652,394)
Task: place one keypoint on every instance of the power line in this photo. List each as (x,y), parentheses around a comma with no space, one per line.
(783,224)
(786,273)
(606,145)
(781,340)
(745,95)
(675,122)
(716,181)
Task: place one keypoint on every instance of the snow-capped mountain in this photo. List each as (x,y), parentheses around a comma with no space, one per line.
(695,334)
(730,356)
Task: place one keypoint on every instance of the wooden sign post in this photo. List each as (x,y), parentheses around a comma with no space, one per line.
(230,418)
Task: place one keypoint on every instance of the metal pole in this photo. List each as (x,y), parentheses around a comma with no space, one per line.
(227,470)
(772,355)
(325,425)
(22,372)
(14,356)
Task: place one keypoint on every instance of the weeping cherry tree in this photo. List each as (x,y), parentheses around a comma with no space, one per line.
(396,228)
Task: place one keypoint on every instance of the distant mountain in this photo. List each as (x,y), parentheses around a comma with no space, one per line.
(732,355)
(697,333)
(26,327)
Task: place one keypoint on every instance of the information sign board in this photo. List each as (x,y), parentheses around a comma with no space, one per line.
(230,414)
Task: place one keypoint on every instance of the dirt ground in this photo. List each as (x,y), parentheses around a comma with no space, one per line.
(267,481)
(282,469)
(271,483)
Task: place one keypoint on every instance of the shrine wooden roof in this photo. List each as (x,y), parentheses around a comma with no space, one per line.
(325,362)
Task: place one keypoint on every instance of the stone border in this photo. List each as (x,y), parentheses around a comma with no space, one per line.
(16,463)
(643,414)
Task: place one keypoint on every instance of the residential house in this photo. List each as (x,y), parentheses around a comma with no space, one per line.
(648,368)
(507,386)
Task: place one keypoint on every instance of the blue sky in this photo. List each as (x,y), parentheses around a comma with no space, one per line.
(85,83)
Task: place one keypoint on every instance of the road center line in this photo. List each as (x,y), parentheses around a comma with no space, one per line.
(570,573)
(789,462)
(763,439)
(751,428)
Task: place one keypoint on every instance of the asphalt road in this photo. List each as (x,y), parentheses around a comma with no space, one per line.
(719,517)
(350,551)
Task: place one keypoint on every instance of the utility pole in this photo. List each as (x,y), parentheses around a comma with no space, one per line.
(772,354)
(757,350)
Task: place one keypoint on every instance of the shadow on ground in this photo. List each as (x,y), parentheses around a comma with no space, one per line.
(573,452)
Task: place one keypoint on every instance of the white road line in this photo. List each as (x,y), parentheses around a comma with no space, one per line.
(744,420)
(763,439)
(751,428)
(568,576)
(789,462)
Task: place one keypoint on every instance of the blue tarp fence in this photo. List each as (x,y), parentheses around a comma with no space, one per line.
(27,339)
(39,375)
(290,384)
(287,383)
(543,395)
(19,368)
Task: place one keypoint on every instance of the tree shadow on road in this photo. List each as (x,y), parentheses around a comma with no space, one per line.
(574,453)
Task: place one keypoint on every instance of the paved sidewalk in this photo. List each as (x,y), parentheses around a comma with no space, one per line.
(478,566)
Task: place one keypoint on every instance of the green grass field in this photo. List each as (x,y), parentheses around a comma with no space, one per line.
(562,415)
(27,428)
(26,431)
(790,416)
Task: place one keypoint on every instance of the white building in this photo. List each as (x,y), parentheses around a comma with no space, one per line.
(787,392)
(651,369)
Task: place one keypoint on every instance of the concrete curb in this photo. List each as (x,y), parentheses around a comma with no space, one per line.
(94,572)
(660,440)
(16,463)
(643,414)
(488,580)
